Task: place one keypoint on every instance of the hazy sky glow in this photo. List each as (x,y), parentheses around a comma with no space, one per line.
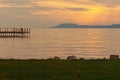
(46,13)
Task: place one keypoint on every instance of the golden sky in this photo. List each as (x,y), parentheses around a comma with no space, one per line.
(46,13)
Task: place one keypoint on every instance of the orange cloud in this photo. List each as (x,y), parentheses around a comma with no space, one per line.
(4,5)
(85,12)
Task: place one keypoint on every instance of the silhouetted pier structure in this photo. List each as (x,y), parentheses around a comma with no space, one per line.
(14,32)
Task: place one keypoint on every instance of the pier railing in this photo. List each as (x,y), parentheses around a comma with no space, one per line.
(14,32)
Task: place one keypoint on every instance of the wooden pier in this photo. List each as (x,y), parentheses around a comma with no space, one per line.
(14,32)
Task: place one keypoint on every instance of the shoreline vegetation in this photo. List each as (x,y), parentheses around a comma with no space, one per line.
(59,69)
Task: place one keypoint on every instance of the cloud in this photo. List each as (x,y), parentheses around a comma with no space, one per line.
(51,10)
(47,11)
(43,8)
(108,2)
(15,2)
(77,9)
(4,6)
(56,6)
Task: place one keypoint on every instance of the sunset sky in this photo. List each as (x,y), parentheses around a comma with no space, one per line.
(46,13)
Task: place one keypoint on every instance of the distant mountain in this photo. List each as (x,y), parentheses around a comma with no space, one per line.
(116,25)
(72,25)
(68,25)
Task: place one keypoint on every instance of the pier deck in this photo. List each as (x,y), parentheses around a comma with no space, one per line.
(14,32)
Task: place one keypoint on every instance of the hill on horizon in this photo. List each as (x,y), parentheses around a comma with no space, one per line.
(73,25)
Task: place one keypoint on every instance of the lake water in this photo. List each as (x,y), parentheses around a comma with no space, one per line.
(63,42)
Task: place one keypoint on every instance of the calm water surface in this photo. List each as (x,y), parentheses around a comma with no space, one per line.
(49,42)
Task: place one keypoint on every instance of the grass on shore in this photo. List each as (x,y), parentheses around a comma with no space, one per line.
(59,69)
